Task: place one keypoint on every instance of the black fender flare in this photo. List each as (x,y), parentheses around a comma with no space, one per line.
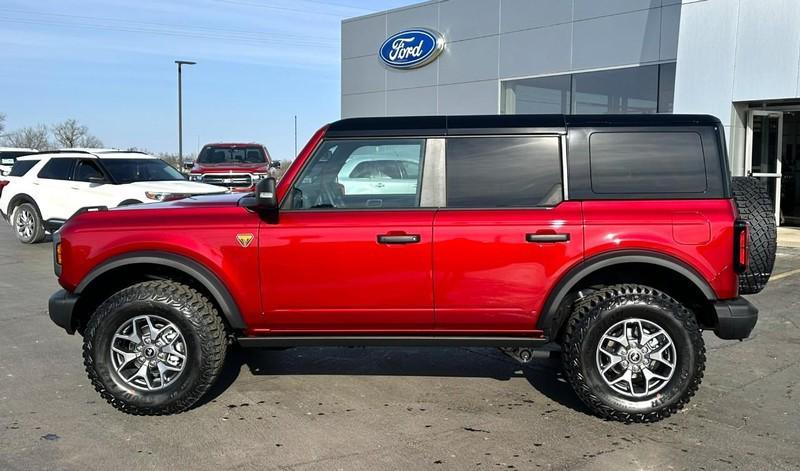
(190,267)
(551,320)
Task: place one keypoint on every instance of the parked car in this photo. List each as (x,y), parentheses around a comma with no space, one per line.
(9,155)
(621,238)
(43,190)
(379,173)
(237,167)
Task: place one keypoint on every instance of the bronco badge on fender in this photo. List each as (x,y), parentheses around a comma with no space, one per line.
(244,239)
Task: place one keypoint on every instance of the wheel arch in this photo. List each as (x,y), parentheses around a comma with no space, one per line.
(19,199)
(665,272)
(118,272)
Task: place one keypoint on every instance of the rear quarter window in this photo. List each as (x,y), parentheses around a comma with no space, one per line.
(21,167)
(647,163)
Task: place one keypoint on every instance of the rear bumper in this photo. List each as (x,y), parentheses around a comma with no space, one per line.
(735,318)
(62,309)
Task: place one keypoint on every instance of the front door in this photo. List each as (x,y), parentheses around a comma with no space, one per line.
(351,258)
(764,151)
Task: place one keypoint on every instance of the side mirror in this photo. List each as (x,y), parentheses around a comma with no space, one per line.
(266,196)
(275,164)
(97,180)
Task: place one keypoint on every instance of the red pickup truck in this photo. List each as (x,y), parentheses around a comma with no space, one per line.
(620,238)
(236,166)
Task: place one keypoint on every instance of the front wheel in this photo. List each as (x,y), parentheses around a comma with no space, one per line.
(633,353)
(154,348)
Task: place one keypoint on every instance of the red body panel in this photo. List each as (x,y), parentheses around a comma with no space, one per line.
(326,271)
(204,232)
(488,277)
(696,232)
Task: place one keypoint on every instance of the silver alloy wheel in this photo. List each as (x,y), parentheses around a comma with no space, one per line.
(148,353)
(636,358)
(25,223)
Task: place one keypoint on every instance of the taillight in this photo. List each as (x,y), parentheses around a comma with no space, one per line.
(741,253)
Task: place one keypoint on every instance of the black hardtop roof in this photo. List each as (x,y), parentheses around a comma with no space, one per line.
(504,124)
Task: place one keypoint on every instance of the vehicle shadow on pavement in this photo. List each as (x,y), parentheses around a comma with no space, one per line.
(543,374)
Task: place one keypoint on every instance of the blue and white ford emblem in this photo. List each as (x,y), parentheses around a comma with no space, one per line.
(412,48)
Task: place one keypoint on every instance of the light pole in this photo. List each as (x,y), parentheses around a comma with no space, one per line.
(180,109)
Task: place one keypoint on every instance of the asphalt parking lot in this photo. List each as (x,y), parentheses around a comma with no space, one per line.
(401,408)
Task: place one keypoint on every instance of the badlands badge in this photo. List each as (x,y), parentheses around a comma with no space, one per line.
(244,239)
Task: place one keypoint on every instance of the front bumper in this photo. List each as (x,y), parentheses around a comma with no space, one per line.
(62,309)
(735,318)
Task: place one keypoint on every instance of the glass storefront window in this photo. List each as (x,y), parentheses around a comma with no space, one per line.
(546,95)
(646,89)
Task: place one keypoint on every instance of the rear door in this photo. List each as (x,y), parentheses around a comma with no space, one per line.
(506,234)
(349,262)
(52,188)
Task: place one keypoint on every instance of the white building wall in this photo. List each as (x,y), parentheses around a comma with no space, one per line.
(734,51)
(494,40)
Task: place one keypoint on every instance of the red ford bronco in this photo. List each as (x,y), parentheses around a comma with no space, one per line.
(621,238)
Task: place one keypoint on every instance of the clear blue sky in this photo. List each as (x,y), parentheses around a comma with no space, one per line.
(109,64)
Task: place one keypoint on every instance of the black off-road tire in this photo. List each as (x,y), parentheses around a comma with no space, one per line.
(756,207)
(196,318)
(596,313)
(32,212)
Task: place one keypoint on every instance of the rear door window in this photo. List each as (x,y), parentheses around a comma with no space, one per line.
(503,172)
(647,163)
(21,167)
(57,169)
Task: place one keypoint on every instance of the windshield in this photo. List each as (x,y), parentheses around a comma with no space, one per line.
(232,155)
(141,170)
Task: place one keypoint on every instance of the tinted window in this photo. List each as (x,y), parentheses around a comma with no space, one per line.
(546,95)
(57,169)
(232,155)
(141,170)
(647,162)
(497,172)
(633,90)
(352,174)
(21,167)
(9,157)
(86,170)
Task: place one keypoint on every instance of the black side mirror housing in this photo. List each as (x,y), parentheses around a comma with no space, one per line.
(275,164)
(266,196)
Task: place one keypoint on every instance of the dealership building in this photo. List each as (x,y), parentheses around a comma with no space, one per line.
(736,59)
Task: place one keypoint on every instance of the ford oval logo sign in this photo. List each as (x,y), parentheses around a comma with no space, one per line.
(412,48)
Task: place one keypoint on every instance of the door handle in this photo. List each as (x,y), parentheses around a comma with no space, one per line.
(398,239)
(546,238)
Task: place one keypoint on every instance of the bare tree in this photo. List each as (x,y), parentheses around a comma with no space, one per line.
(33,137)
(2,122)
(71,133)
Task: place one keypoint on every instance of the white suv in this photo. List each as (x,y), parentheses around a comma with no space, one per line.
(43,190)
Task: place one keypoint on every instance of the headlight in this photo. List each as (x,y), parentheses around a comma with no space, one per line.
(165,196)
(257,177)
(195,177)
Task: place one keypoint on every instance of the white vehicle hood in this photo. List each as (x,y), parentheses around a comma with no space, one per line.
(177,186)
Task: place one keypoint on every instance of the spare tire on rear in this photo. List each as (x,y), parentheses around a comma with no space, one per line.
(755,207)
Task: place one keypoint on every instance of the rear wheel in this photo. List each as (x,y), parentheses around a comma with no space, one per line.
(28,225)
(633,353)
(154,348)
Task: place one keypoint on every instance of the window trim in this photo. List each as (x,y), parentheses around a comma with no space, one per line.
(421,181)
(562,143)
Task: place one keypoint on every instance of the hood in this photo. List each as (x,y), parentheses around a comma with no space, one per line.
(200,201)
(232,167)
(177,186)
